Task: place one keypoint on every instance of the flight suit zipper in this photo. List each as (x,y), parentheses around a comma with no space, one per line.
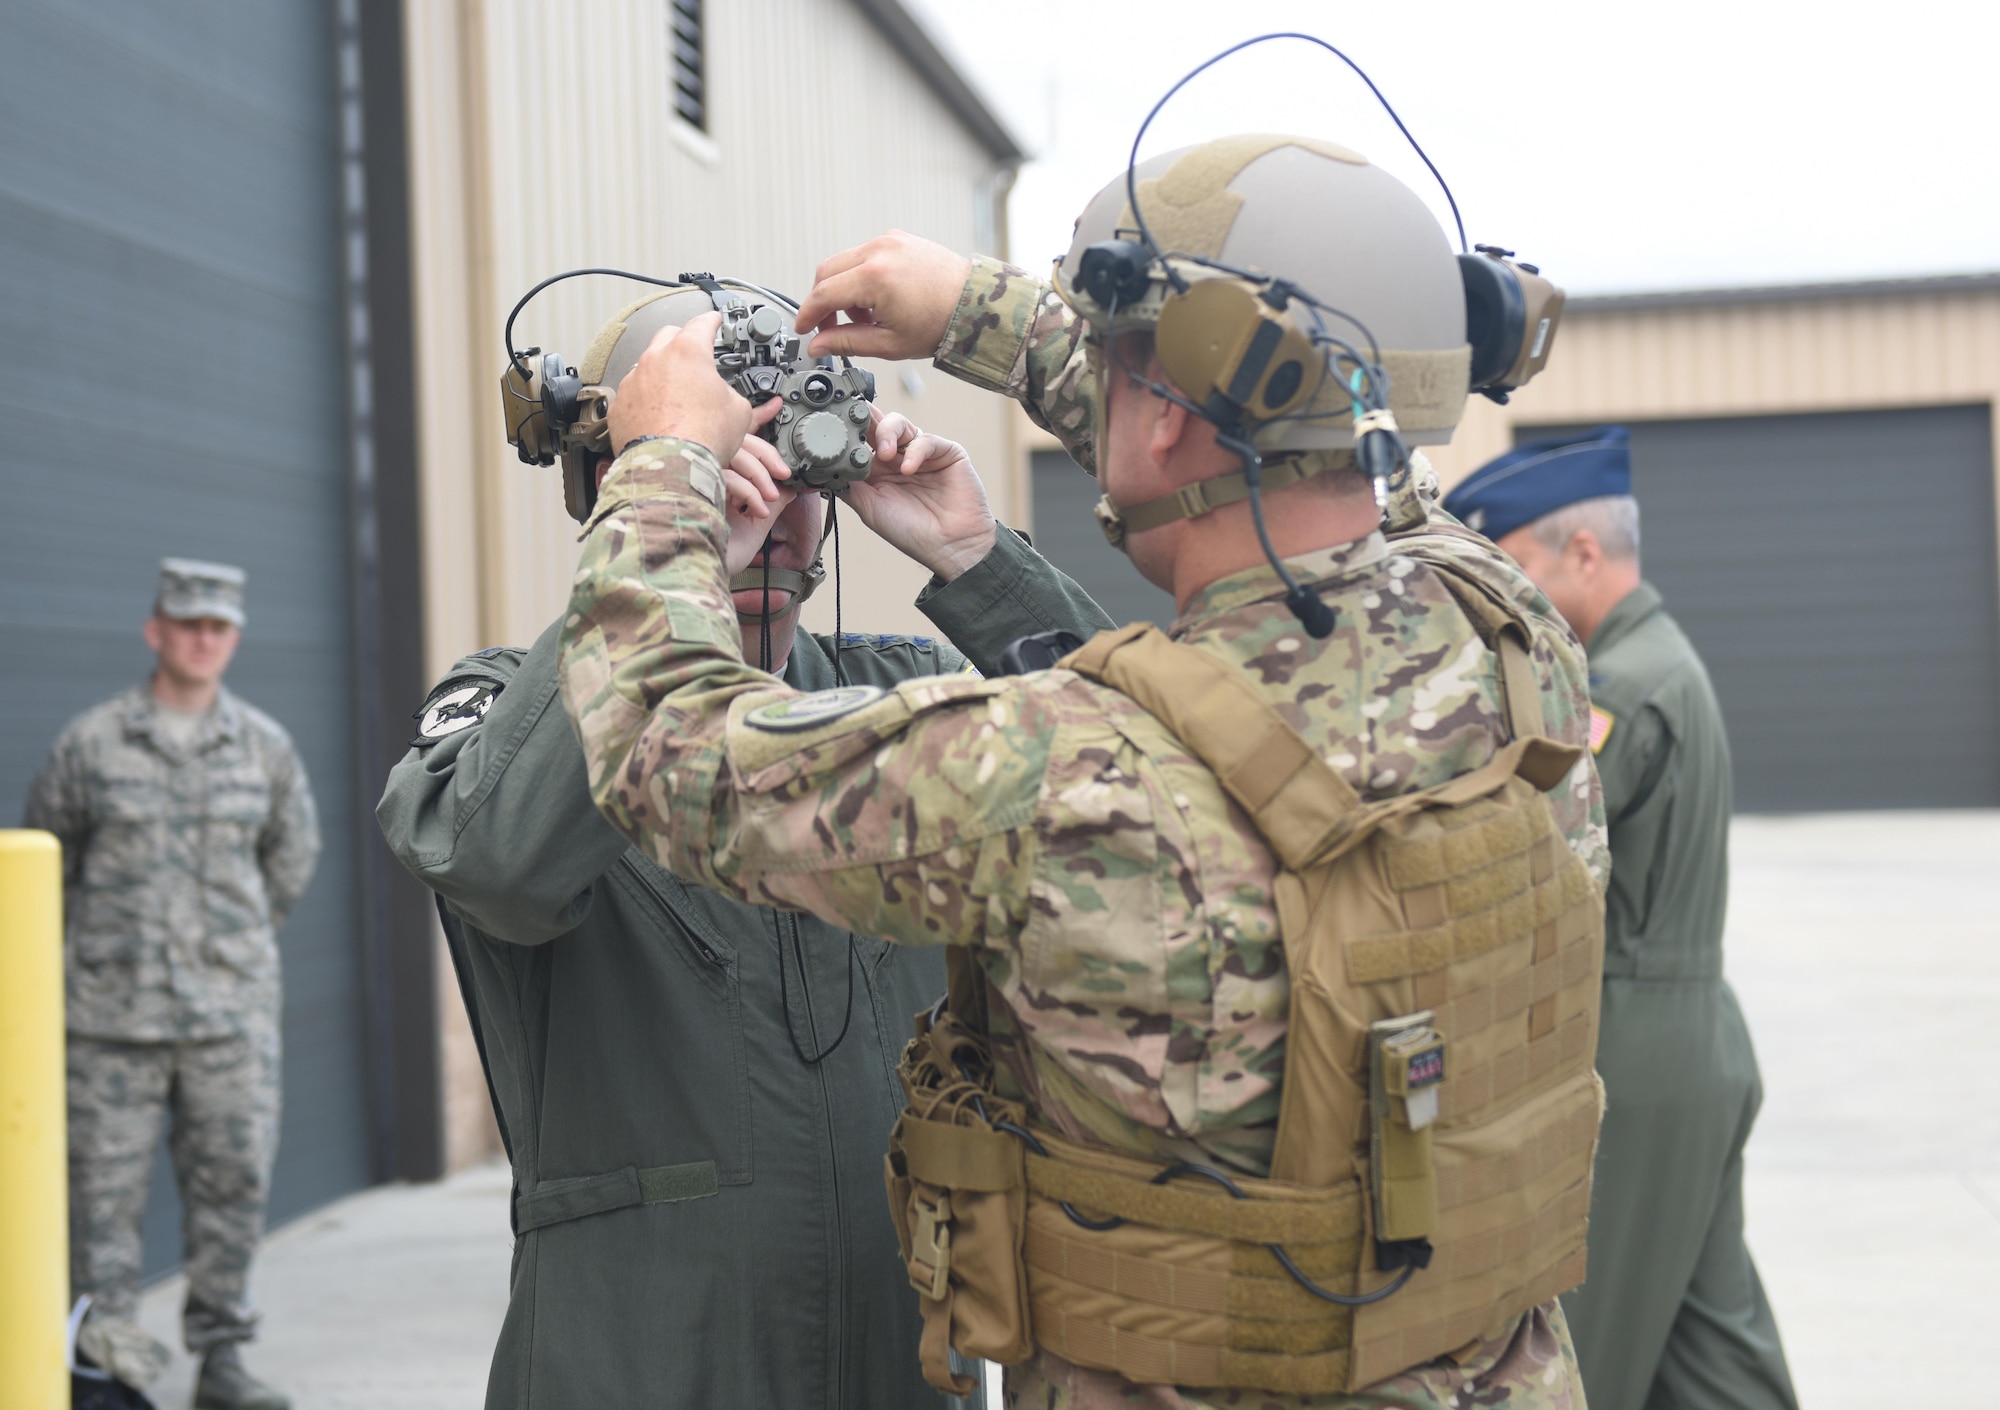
(789,925)
(702,947)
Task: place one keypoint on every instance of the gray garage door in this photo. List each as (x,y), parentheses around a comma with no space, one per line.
(1837,574)
(1068,537)
(169,302)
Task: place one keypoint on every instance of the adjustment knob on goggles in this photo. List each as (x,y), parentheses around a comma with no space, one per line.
(1115,272)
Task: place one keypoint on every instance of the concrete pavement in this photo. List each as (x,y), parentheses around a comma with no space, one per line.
(1866,951)
(388,1300)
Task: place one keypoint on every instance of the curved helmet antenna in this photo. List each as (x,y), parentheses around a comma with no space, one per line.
(1132,161)
(1368,387)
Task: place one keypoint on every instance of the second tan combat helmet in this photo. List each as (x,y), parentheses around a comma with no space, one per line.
(1327,223)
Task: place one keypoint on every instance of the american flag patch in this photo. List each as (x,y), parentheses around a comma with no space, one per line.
(1601,722)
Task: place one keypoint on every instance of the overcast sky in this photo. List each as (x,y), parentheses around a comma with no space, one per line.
(1622,146)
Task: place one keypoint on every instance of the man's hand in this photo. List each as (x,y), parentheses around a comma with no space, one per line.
(675,391)
(924,497)
(898,292)
(755,494)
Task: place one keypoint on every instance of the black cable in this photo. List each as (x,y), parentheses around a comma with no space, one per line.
(1313,613)
(764,615)
(785,1002)
(833,518)
(507,334)
(1207,1172)
(1132,162)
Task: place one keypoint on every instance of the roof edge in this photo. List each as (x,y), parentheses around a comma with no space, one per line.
(1927,286)
(906,33)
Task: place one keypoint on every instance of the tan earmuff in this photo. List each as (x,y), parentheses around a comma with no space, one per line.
(538,397)
(1220,338)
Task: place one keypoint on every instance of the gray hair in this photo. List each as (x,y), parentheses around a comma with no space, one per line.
(1614,519)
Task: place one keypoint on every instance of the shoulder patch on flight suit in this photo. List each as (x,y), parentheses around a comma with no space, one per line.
(1601,722)
(458,703)
(804,712)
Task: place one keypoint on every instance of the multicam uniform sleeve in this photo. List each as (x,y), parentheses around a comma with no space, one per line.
(1012,334)
(288,849)
(905,813)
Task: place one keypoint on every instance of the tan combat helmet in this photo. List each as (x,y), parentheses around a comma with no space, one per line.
(612,354)
(1324,221)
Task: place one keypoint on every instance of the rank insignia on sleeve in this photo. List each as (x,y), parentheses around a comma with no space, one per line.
(457,704)
(1601,722)
(803,712)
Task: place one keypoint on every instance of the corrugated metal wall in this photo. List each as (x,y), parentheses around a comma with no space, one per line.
(1066,532)
(1739,357)
(1846,618)
(169,291)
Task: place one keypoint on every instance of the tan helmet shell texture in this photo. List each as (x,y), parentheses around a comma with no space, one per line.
(1326,219)
(616,348)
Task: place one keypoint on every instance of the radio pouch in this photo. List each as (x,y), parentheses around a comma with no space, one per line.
(958,1194)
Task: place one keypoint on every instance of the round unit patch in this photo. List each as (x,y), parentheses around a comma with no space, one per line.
(453,706)
(804,712)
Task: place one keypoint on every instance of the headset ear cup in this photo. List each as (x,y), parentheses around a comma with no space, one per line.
(1495,318)
(526,417)
(1219,339)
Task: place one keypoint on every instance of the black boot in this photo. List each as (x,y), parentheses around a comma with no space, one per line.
(226,1385)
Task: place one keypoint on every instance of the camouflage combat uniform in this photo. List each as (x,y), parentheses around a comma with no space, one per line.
(1118,904)
(179,862)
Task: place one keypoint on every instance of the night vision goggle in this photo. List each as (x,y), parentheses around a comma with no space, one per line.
(554,411)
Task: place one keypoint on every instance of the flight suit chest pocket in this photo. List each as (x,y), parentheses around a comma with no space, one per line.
(658,1012)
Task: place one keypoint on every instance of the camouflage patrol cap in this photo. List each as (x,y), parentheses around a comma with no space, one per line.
(1327,220)
(190,588)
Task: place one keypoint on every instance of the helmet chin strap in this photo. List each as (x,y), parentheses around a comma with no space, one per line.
(800,585)
(763,577)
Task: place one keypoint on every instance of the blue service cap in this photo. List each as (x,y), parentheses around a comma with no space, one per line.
(1541,477)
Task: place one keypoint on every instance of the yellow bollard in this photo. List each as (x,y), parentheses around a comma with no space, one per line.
(34,1162)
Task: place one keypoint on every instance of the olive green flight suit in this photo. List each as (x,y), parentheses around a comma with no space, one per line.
(1673,1315)
(696,1093)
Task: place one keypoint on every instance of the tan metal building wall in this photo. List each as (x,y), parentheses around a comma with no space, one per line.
(543,137)
(1753,352)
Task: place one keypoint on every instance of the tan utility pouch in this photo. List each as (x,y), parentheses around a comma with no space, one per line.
(958,1193)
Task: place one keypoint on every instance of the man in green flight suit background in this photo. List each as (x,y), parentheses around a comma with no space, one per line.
(695,1093)
(1673,1314)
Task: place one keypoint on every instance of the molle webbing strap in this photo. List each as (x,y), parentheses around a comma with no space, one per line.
(555,1201)
(961,1157)
(1378,1358)
(1104,1185)
(1193,501)
(1147,1359)
(1300,805)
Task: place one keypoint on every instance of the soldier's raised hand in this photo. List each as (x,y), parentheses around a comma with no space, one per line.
(897,292)
(674,390)
(924,497)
